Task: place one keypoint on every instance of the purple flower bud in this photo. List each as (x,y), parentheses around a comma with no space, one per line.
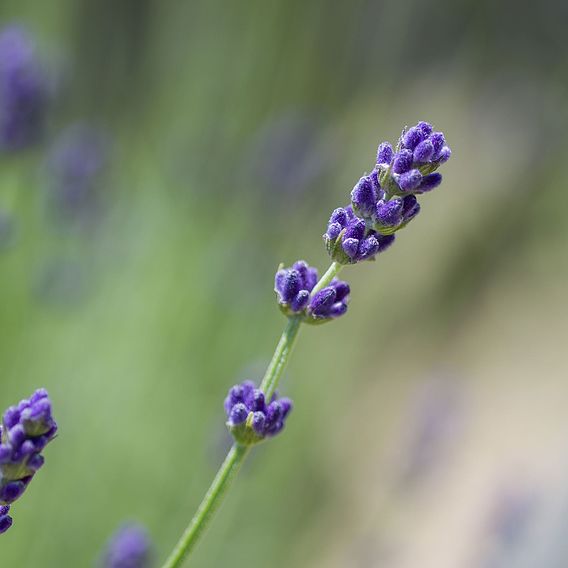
(266,420)
(385,241)
(10,491)
(410,180)
(438,142)
(339,216)
(445,154)
(25,431)
(402,161)
(364,197)
(430,182)
(410,208)
(369,247)
(330,302)
(300,301)
(350,246)
(385,153)
(355,229)
(333,230)
(424,151)
(412,137)
(129,547)
(5,519)
(389,213)
(426,127)
(258,422)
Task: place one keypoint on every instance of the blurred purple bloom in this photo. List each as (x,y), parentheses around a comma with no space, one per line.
(76,164)
(23,91)
(129,547)
(249,418)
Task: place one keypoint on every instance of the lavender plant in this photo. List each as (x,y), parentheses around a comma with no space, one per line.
(25,431)
(382,203)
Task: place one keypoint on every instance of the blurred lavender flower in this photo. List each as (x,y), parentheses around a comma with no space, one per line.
(434,424)
(249,418)
(384,201)
(5,519)
(76,164)
(287,154)
(26,430)
(293,287)
(23,91)
(129,547)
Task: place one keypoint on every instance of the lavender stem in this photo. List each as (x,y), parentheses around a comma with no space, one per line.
(209,505)
(333,270)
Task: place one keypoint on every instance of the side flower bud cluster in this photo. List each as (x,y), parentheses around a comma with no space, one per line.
(26,430)
(294,286)
(249,418)
(384,201)
(23,91)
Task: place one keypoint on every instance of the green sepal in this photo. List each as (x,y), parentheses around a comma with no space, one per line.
(244,433)
(335,250)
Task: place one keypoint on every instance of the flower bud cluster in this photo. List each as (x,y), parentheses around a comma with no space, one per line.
(26,429)
(385,200)
(294,286)
(250,418)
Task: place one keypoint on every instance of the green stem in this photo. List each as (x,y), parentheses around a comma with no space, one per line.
(330,274)
(280,357)
(209,505)
(238,453)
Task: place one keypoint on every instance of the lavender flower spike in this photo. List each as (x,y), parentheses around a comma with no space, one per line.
(129,547)
(23,91)
(249,418)
(26,429)
(384,201)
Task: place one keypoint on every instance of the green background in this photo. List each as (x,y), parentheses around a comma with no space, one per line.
(430,423)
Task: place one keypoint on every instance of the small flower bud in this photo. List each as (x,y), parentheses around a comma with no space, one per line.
(410,180)
(261,420)
(412,137)
(364,197)
(402,162)
(385,154)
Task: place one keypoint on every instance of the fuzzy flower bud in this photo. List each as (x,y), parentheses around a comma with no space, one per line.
(129,547)
(330,302)
(5,519)
(250,418)
(364,197)
(26,429)
(23,91)
(348,239)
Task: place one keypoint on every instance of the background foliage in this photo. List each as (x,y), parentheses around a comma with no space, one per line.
(430,423)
